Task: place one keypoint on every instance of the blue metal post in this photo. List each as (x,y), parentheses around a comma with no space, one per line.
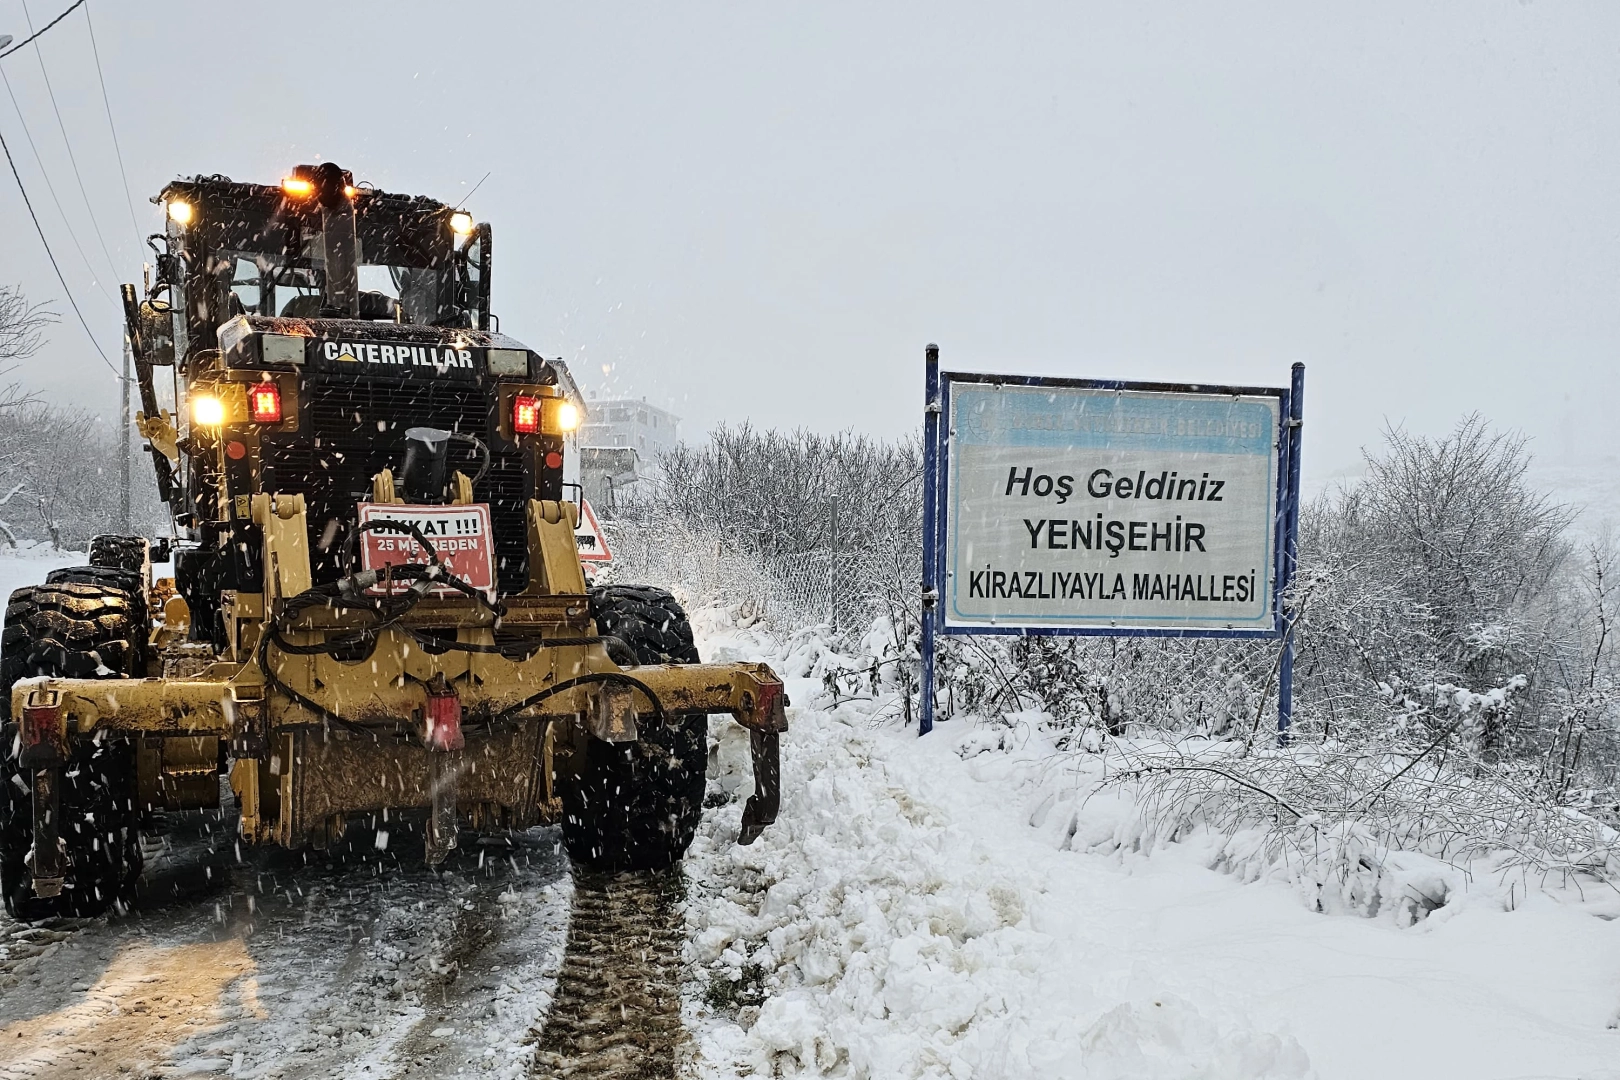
(930,532)
(1290,562)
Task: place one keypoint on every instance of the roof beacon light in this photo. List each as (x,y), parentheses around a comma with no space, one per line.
(461,223)
(525,414)
(264,403)
(297,187)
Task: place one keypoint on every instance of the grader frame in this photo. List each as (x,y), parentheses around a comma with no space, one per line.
(475,736)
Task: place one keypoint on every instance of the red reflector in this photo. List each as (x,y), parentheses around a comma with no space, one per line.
(444,721)
(554,460)
(235,451)
(525,414)
(264,403)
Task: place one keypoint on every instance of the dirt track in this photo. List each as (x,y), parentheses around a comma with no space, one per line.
(617,1014)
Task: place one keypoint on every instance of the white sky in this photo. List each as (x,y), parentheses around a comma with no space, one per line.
(764,211)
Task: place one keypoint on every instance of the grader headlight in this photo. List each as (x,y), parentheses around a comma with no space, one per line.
(220,404)
(207,410)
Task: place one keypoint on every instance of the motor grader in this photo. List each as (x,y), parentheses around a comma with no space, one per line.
(377,609)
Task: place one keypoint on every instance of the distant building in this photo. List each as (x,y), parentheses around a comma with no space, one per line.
(608,475)
(644,428)
(620,444)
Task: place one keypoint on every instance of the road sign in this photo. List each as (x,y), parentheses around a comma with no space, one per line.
(460,536)
(1110,509)
(589,537)
(1102,507)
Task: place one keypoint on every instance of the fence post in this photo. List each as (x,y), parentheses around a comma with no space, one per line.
(930,538)
(1290,553)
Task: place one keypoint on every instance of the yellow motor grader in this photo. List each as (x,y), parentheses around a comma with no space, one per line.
(377,603)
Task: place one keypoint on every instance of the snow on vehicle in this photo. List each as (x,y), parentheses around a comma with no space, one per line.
(377,603)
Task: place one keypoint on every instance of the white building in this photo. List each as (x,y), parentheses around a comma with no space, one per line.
(620,443)
(620,422)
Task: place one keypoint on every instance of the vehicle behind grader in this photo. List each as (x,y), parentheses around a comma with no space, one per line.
(378,606)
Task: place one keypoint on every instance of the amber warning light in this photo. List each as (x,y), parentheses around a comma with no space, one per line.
(264,404)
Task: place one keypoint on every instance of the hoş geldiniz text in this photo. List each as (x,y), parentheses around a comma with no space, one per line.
(1167,485)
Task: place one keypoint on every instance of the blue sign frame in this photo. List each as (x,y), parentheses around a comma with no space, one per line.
(936,488)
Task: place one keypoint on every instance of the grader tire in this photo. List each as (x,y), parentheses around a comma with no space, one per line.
(635,806)
(648,621)
(119,552)
(73,630)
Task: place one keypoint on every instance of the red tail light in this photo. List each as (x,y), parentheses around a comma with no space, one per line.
(264,403)
(525,414)
(444,720)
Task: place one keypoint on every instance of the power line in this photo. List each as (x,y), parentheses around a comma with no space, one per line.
(112,263)
(128,198)
(42,29)
(52,256)
(95,278)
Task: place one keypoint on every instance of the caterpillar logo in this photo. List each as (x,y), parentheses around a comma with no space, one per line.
(439,357)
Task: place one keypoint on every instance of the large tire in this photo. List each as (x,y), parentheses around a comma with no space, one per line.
(112,581)
(76,630)
(635,806)
(119,552)
(647,620)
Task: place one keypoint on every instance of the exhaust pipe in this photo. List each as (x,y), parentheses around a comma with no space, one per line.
(340,245)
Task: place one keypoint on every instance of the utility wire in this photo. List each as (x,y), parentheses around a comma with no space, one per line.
(112,263)
(29,135)
(42,29)
(52,256)
(128,198)
(474,191)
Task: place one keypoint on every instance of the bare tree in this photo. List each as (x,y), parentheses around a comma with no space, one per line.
(22,332)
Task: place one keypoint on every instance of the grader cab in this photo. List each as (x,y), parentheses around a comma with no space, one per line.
(377,603)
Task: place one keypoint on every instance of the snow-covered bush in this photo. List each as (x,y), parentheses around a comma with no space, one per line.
(59,477)
(1455,684)
(1455,687)
(795,527)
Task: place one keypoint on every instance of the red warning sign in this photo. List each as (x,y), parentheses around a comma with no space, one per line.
(589,538)
(460,535)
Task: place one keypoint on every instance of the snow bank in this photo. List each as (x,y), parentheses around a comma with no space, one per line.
(954,906)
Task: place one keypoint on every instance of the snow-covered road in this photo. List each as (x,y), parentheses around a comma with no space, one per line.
(935,908)
(356,963)
(945,907)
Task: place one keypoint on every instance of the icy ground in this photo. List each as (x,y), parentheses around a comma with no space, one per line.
(354,963)
(922,909)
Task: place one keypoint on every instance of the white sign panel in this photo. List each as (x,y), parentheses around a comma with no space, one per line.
(1104,509)
(460,536)
(589,537)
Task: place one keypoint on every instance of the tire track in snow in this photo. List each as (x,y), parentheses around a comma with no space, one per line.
(294,965)
(617,1011)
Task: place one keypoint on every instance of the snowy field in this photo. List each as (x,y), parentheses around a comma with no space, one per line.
(29,565)
(952,906)
(958,906)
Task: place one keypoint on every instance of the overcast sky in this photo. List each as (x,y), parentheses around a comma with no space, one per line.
(764,211)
